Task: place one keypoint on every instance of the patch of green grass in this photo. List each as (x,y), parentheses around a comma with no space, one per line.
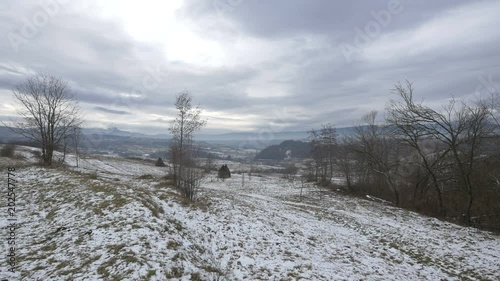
(293,275)
(98,211)
(79,240)
(115,249)
(51,247)
(178,257)
(38,267)
(151,273)
(168,195)
(198,248)
(185,202)
(470,274)
(175,272)
(106,225)
(129,257)
(153,207)
(420,257)
(211,269)
(118,201)
(104,204)
(172,245)
(164,184)
(196,276)
(52,214)
(89,261)
(34,256)
(101,270)
(394,245)
(177,224)
(97,187)
(145,177)
(62,264)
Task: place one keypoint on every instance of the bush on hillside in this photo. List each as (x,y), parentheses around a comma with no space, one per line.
(8,150)
(224,172)
(160,163)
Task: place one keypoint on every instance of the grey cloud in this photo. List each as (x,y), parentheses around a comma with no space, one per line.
(282,18)
(112,111)
(107,68)
(161,120)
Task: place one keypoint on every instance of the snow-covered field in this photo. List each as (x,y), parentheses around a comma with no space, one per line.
(116,219)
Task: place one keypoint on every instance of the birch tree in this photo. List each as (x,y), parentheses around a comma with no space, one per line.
(182,152)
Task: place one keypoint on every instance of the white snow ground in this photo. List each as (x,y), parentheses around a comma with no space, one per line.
(141,230)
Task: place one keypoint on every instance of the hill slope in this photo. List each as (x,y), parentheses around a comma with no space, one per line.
(142,231)
(297,149)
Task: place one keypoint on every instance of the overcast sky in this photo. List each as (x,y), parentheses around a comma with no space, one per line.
(252,65)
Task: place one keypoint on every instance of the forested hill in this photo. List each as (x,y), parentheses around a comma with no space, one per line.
(298,149)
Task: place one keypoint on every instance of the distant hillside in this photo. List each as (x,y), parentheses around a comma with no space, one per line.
(287,135)
(121,142)
(298,149)
(7,135)
(114,131)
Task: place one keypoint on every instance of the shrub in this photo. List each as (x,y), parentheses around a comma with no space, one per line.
(160,163)
(290,171)
(224,172)
(37,154)
(8,150)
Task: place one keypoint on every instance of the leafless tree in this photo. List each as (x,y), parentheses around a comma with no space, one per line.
(461,128)
(48,110)
(442,161)
(65,144)
(493,103)
(72,140)
(302,179)
(209,162)
(403,116)
(380,154)
(465,146)
(328,138)
(343,160)
(182,151)
(317,156)
(76,133)
(290,171)
(310,171)
(323,143)
(496,107)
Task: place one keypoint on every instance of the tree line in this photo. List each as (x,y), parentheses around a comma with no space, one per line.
(444,163)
